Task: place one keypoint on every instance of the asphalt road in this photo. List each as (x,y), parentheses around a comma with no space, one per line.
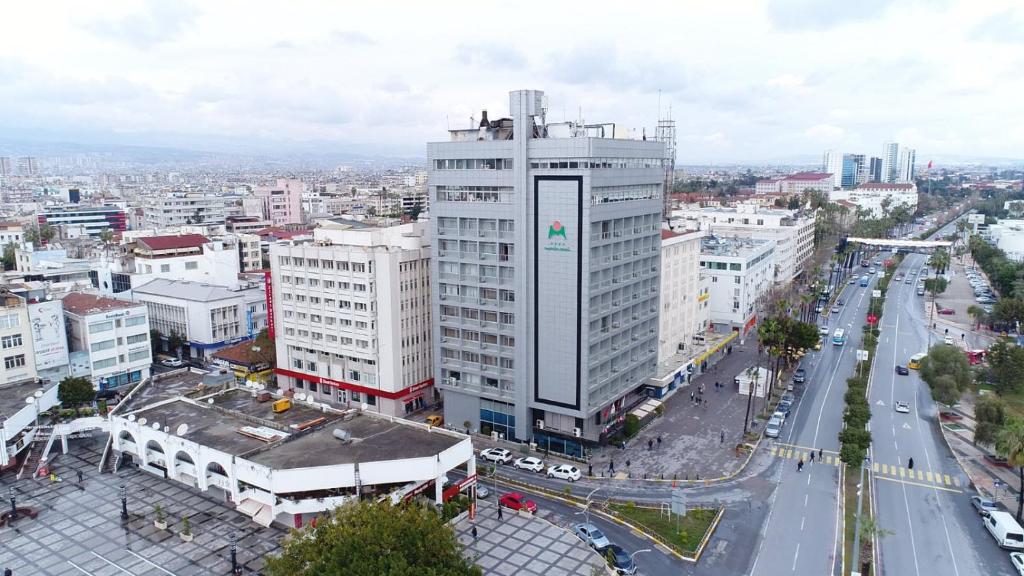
(934,529)
(801,536)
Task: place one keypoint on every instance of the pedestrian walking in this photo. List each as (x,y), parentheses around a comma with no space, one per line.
(811,459)
(611,465)
(590,469)
(499,511)
(800,465)
(79,476)
(659,440)
(622,445)
(910,464)
(650,444)
(820,452)
(721,436)
(474,532)
(691,395)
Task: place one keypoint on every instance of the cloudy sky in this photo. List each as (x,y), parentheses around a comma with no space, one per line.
(747,80)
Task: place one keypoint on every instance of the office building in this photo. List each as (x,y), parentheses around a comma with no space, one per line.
(906,171)
(85,221)
(19,364)
(206,317)
(28,166)
(351,309)
(853,170)
(114,334)
(740,276)
(5,167)
(685,310)
(890,162)
(791,231)
(833,164)
(795,184)
(873,196)
(190,257)
(875,169)
(546,274)
(183,209)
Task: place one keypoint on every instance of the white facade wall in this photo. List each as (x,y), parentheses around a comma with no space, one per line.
(165,211)
(18,429)
(872,197)
(352,309)
(282,202)
(117,342)
(9,234)
(685,310)
(738,281)
(16,350)
(217,264)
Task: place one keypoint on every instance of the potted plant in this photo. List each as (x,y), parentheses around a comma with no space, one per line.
(186,530)
(160,523)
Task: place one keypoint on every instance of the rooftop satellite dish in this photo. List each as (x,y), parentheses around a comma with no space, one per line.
(30,400)
(167,429)
(131,417)
(156,425)
(209,400)
(38,394)
(182,430)
(142,421)
(300,396)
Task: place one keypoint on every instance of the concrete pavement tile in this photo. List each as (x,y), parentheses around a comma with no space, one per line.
(550,557)
(505,569)
(530,549)
(558,547)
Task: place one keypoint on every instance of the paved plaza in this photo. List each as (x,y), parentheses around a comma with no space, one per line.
(524,546)
(79,529)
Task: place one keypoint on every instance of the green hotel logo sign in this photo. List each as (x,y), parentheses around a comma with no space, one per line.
(557,240)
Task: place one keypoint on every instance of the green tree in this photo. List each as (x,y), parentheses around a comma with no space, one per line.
(1006,366)
(990,415)
(176,341)
(939,260)
(8,258)
(1010,444)
(264,349)
(947,373)
(73,392)
(107,236)
(936,285)
(374,539)
(978,314)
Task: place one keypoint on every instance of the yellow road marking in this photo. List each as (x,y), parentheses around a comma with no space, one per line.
(789,453)
(956,482)
(920,474)
(902,472)
(928,475)
(875,467)
(809,448)
(947,479)
(918,484)
(773,450)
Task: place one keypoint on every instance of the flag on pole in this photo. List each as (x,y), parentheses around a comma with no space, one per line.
(929,164)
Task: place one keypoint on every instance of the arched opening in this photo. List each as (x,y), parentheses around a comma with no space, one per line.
(154,446)
(183,457)
(216,468)
(126,436)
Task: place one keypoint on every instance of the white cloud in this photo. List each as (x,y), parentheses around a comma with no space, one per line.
(825,133)
(789,79)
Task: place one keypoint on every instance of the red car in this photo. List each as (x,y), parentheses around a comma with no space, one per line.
(946,311)
(517,501)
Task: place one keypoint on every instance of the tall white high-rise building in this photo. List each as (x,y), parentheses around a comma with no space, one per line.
(906,170)
(546,275)
(832,164)
(890,162)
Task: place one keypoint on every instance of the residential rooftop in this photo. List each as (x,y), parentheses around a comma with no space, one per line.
(730,246)
(179,242)
(81,304)
(187,290)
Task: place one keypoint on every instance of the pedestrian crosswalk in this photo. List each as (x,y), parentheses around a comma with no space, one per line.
(890,472)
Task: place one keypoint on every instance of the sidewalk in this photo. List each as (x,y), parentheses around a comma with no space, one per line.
(983,473)
(697,441)
(523,545)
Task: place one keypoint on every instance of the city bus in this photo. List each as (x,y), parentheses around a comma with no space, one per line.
(915,361)
(839,337)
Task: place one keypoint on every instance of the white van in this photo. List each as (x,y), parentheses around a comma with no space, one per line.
(1005,530)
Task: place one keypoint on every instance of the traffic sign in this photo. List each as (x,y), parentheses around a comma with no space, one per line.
(876,293)
(872,318)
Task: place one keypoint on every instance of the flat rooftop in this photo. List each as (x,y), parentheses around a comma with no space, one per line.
(162,387)
(12,398)
(220,425)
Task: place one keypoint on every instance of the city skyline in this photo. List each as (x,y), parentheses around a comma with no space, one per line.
(741,82)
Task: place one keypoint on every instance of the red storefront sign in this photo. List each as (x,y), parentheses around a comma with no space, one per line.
(270,304)
(355,387)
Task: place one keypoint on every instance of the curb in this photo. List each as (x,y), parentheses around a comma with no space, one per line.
(613,518)
(707,481)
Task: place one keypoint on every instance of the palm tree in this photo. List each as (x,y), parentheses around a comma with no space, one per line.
(939,260)
(978,314)
(1010,445)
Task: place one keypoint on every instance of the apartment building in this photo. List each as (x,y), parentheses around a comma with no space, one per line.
(190,257)
(11,233)
(352,309)
(114,334)
(207,317)
(281,202)
(546,274)
(685,306)
(796,184)
(250,252)
(85,221)
(792,232)
(19,364)
(740,275)
(183,209)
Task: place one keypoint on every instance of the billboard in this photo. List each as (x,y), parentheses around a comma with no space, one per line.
(975,218)
(48,336)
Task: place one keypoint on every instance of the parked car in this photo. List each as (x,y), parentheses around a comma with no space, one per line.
(621,560)
(823,330)
(947,311)
(902,407)
(835,309)
(516,501)
(497,455)
(909,280)
(565,472)
(784,407)
(1004,528)
(799,375)
(902,370)
(852,281)
(773,428)
(529,463)
(788,396)
(983,505)
(591,535)
(173,362)
(1017,559)
(482,491)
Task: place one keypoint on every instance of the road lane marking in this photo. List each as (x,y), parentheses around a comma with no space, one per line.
(946,476)
(875,466)
(796,556)
(928,475)
(956,482)
(823,451)
(902,472)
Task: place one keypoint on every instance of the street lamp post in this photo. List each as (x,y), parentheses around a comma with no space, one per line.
(124,502)
(14,508)
(633,555)
(234,554)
